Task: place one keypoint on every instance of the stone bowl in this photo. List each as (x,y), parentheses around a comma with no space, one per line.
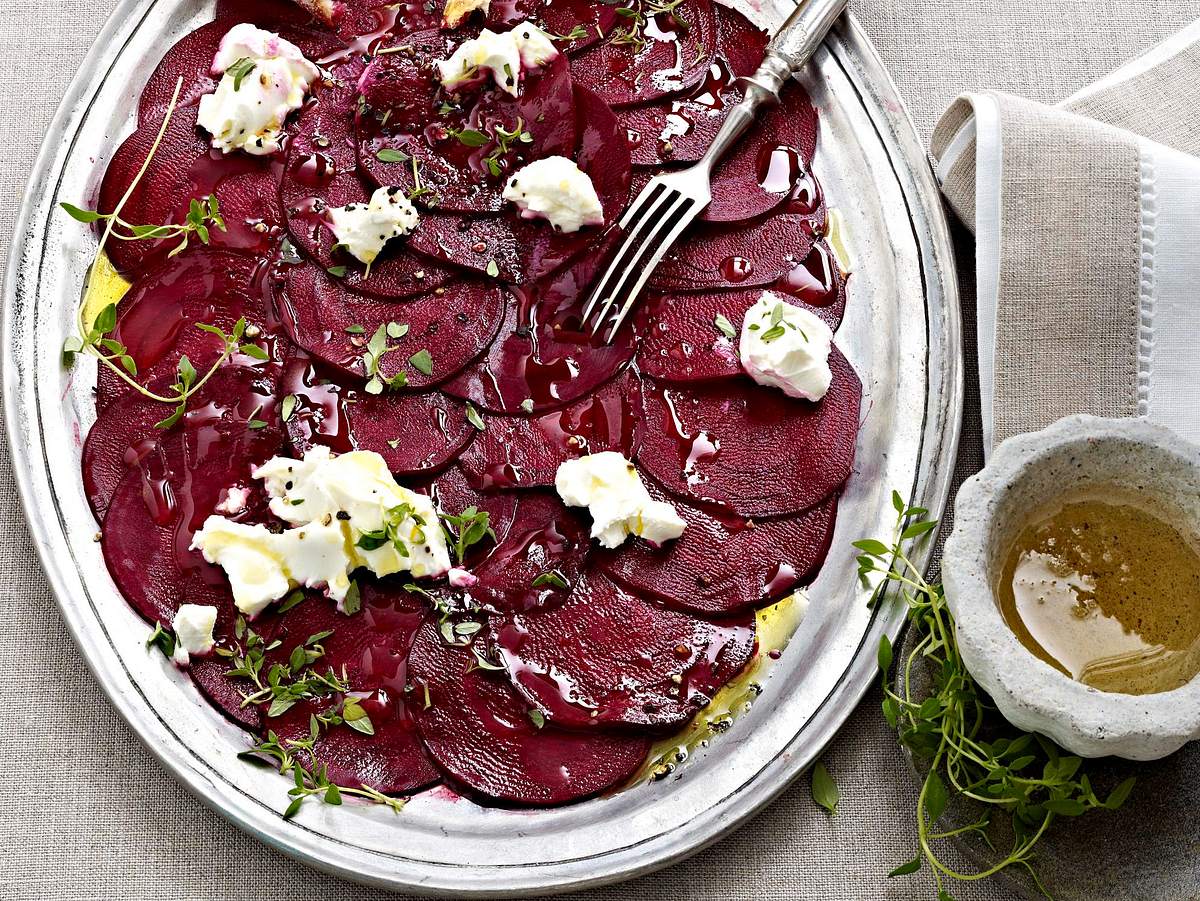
(1077,455)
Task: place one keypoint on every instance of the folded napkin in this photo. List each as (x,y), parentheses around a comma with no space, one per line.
(1087,224)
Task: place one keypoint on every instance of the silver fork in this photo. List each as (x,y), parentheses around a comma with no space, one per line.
(669,203)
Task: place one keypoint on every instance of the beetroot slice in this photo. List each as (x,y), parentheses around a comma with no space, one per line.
(522,249)
(751,449)
(156,319)
(399,272)
(404,118)
(414,433)
(126,431)
(713,257)
(548,538)
(681,342)
(609,658)
(542,359)
(724,564)
(670,60)
(454,322)
(479,732)
(372,646)
(523,452)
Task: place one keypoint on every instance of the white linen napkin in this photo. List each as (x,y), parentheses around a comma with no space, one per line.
(1087,224)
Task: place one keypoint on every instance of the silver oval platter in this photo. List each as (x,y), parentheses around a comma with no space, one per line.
(901,333)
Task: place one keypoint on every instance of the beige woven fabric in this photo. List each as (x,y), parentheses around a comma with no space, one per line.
(85,813)
(1067,320)
(1069,186)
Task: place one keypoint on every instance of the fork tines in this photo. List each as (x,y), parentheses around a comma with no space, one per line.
(652,225)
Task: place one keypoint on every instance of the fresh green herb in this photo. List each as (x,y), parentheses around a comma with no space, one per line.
(552,579)
(493,268)
(239,70)
(577,33)
(94,338)
(774,332)
(1024,775)
(377,348)
(467,529)
(280,686)
(162,639)
(527,405)
(475,419)
(337,272)
(293,599)
(397,330)
(355,330)
(288,407)
(824,790)
(352,602)
(470,137)
(537,718)
(725,327)
(387,155)
(481,662)
(633,34)
(311,782)
(422,361)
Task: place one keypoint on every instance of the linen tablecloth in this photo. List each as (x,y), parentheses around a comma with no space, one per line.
(85,812)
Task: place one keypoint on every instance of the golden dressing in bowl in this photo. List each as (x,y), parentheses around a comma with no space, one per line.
(1108,593)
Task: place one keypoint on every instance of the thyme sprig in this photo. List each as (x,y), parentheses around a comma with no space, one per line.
(1020,774)
(467,529)
(637,14)
(311,781)
(95,338)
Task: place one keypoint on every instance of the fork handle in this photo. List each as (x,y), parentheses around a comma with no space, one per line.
(791,47)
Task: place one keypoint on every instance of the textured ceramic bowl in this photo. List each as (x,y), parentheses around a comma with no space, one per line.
(1078,455)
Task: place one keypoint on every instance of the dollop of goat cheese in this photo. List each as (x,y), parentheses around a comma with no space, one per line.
(620,505)
(502,56)
(348,513)
(786,347)
(556,189)
(264,78)
(364,229)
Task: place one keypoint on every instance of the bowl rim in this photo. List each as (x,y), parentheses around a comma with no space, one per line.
(1029,692)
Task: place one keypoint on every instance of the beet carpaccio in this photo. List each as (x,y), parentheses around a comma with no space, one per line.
(385,501)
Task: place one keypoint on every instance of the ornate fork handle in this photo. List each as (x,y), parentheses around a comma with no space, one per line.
(791,47)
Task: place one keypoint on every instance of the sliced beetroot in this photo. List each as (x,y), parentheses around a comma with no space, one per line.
(714,257)
(454,322)
(680,129)
(524,452)
(371,649)
(265,13)
(680,338)
(156,319)
(549,542)
(523,249)
(127,429)
(155,511)
(409,118)
(184,169)
(751,449)
(479,732)
(414,433)
(669,54)
(559,18)
(724,564)
(608,658)
(542,358)
(399,272)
